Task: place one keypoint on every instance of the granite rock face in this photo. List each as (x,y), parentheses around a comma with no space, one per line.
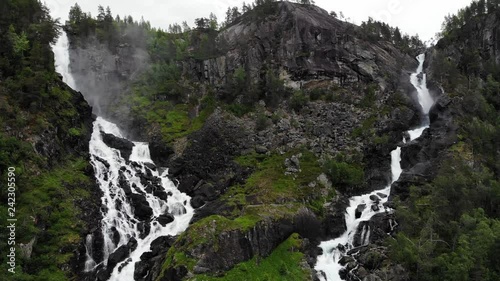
(305,43)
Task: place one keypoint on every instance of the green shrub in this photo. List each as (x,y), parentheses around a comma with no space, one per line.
(262,122)
(239,110)
(343,174)
(298,101)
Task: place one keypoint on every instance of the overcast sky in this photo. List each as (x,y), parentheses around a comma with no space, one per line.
(423,17)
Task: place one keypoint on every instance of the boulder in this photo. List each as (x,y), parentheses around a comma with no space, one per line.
(121,253)
(123,145)
(141,207)
(359,210)
(197,202)
(165,219)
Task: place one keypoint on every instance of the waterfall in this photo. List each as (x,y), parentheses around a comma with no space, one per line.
(89,261)
(362,208)
(62,61)
(120,180)
(139,203)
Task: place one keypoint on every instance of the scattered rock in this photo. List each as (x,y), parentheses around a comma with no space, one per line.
(261,149)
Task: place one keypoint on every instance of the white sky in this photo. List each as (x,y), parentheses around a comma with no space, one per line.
(423,17)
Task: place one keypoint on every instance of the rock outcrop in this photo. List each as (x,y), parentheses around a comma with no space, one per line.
(306,43)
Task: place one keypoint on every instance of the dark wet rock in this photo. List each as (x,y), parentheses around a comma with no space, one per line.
(375,207)
(151,166)
(378,227)
(197,202)
(346,259)
(102,273)
(149,266)
(123,145)
(106,163)
(141,207)
(116,235)
(210,157)
(359,210)
(124,183)
(160,151)
(165,219)
(207,191)
(144,229)
(375,198)
(343,273)
(121,253)
(187,184)
(161,194)
(175,274)
(334,223)
(97,245)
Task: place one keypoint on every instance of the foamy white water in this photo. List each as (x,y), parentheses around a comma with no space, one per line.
(119,215)
(328,264)
(419,81)
(62,61)
(119,179)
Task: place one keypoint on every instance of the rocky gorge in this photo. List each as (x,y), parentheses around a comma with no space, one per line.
(311,51)
(231,151)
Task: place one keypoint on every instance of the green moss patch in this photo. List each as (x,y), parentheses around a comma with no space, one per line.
(284,263)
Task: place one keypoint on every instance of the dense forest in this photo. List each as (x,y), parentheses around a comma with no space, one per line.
(43,135)
(450,226)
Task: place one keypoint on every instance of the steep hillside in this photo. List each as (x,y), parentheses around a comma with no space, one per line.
(449,225)
(44,134)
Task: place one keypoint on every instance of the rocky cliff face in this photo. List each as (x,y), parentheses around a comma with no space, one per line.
(305,43)
(370,103)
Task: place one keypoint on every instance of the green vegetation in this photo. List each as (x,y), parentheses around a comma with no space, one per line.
(298,101)
(344,175)
(51,181)
(268,195)
(269,181)
(282,264)
(373,31)
(450,226)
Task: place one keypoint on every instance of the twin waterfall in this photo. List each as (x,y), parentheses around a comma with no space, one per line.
(127,182)
(139,204)
(328,264)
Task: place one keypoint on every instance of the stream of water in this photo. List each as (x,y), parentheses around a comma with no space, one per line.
(127,183)
(328,264)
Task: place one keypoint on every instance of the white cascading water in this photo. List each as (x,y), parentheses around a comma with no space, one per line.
(119,222)
(328,264)
(119,214)
(61,56)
